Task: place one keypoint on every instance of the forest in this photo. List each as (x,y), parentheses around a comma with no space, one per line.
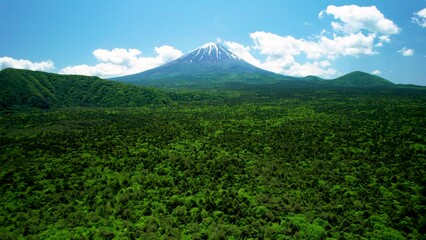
(253,163)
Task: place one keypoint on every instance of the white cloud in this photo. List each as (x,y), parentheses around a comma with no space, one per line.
(420,18)
(278,65)
(348,45)
(119,61)
(280,52)
(168,53)
(116,55)
(8,62)
(376,72)
(276,46)
(357,31)
(311,68)
(384,38)
(406,52)
(101,70)
(242,52)
(354,18)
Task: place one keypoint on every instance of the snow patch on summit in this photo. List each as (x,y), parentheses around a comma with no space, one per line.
(211,46)
(209,53)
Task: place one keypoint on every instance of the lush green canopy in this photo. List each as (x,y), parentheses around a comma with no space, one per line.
(260,163)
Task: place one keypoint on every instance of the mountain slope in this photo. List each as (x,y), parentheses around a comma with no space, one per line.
(358,79)
(26,89)
(209,64)
(313,78)
(212,65)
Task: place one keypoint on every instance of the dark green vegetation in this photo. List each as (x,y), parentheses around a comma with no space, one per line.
(353,79)
(22,89)
(359,79)
(262,162)
(210,80)
(222,80)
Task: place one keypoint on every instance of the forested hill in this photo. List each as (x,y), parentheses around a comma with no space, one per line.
(359,79)
(29,89)
(354,79)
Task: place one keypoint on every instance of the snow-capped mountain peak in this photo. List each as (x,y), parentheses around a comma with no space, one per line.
(209,45)
(209,60)
(209,53)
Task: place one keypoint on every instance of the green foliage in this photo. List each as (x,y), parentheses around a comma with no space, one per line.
(305,230)
(209,77)
(31,89)
(257,163)
(359,79)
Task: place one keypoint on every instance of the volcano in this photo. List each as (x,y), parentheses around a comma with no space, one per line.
(209,64)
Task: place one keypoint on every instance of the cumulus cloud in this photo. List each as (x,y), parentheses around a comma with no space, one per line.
(168,53)
(349,45)
(383,39)
(273,45)
(278,64)
(406,52)
(120,61)
(353,18)
(376,72)
(116,55)
(276,46)
(420,18)
(242,52)
(316,68)
(8,62)
(101,70)
(280,52)
(356,31)
(279,61)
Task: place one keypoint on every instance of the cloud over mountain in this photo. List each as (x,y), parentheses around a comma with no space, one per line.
(280,52)
(273,45)
(354,31)
(376,72)
(8,62)
(120,61)
(357,31)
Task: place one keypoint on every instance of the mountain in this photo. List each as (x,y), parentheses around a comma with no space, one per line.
(313,78)
(359,79)
(29,89)
(209,64)
(214,65)
(353,79)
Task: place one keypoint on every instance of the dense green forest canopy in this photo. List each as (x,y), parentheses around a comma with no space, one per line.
(28,89)
(272,161)
(25,89)
(222,80)
(358,79)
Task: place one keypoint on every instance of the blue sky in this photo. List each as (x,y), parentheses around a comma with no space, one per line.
(108,38)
